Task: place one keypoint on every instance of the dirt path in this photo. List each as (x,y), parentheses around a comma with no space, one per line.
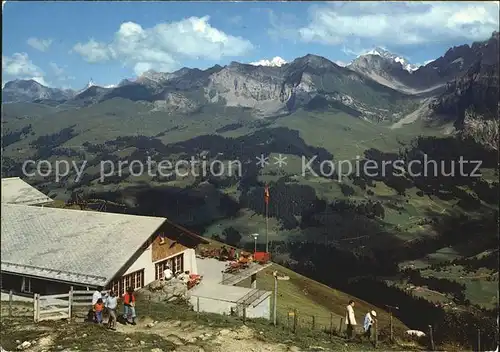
(147,335)
(188,336)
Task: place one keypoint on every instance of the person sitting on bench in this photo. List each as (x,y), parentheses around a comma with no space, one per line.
(184,277)
(224,253)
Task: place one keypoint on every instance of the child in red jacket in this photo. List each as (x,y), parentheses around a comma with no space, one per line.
(98,308)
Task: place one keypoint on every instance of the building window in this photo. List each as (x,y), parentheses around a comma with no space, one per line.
(26,285)
(179,263)
(115,286)
(176,264)
(134,280)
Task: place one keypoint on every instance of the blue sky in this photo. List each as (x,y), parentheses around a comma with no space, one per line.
(64,44)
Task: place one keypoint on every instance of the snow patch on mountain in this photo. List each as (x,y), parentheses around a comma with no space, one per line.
(274,62)
(341,63)
(90,84)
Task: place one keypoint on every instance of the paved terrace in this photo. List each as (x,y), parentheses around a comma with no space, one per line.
(217,285)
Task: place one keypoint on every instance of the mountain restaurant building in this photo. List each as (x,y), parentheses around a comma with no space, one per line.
(46,250)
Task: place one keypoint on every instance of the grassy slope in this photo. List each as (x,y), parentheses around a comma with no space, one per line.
(312,298)
(342,134)
(345,136)
(117,117)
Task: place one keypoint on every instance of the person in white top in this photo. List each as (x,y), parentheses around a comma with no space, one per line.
(367,324)
(168,274)
(97,294)
(111,304)
(350,320)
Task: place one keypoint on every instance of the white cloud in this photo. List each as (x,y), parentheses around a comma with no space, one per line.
(163,46)
(39,44)
(93,51)
(399,23)
(19,66)
(355,51)
(60,73)
(41,80)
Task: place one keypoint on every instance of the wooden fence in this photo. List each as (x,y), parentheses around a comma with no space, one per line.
(60,306)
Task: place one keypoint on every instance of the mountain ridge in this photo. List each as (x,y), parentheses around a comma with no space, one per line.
(377,85)
(266,90)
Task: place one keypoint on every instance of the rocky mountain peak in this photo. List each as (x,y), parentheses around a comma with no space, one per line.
(23,84)
(30,90)
(476,88)
(380,53)
(312,60)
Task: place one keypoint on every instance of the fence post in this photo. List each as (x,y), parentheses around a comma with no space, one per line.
(331,326)
(390,326)
(10,303)
(431,338)
(295,318)
(478,340)
(198,305)
(340,325)
(35,308)
(149,305)
(70,303)
(313,323)
(375,342)
(244,315)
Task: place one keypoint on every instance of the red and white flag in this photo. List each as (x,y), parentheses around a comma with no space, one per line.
(266,194)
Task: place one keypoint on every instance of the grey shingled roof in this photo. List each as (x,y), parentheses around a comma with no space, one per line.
(17,191)
(71,245)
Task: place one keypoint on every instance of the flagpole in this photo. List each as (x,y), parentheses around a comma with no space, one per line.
(267,227)
(266,200)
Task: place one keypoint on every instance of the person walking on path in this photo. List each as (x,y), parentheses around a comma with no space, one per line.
(129,306)
(350,320)
(367,324)
(111,304)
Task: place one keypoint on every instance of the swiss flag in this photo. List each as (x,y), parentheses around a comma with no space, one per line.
(266,194)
